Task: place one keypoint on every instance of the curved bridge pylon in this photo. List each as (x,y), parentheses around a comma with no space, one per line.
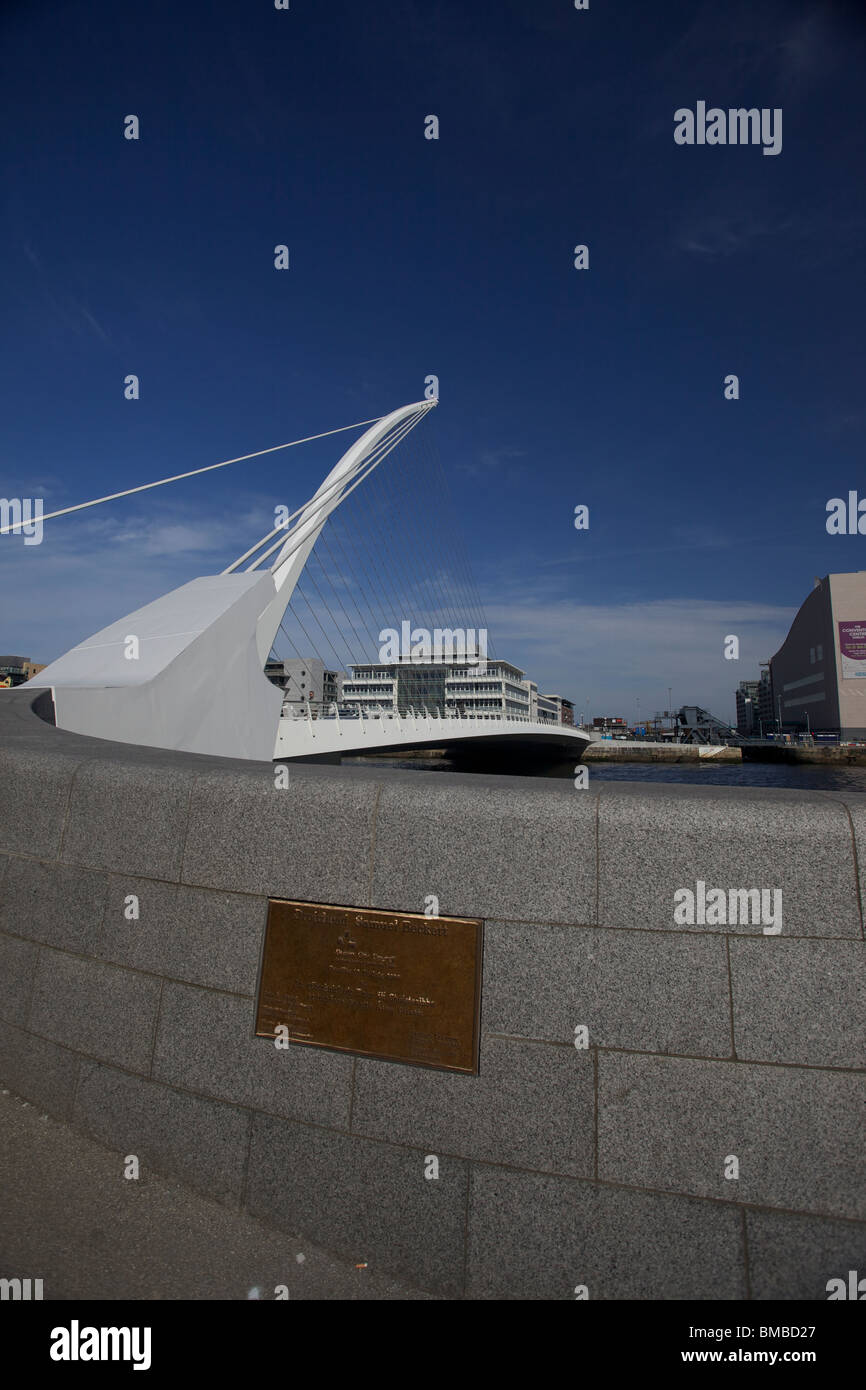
(186,671)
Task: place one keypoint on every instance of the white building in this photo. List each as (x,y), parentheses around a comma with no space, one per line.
(305,678)
(445,687)
(561,709)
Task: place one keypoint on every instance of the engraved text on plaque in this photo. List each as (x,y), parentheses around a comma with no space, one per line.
(395,985)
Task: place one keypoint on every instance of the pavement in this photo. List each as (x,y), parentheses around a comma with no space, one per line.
(68,1216)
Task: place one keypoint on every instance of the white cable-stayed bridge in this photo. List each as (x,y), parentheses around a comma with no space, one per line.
(187,671)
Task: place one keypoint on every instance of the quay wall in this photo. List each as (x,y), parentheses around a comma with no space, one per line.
(608,1167)
(636,751)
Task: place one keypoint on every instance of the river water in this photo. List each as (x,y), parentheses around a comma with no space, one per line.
(801,776)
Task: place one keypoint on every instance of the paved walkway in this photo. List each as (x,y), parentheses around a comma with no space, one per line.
(70,1218)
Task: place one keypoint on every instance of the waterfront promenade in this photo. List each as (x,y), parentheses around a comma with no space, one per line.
(68,1218)
(602,1156)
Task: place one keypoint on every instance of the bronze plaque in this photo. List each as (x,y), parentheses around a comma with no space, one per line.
(394,985)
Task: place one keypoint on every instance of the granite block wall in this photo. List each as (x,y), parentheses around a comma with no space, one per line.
(706,1142)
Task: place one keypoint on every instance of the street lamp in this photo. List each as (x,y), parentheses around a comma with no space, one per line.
(808,725)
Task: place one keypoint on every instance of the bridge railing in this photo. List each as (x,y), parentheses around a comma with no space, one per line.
(311,711)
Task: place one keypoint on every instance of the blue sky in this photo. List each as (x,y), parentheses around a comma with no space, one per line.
(453,257)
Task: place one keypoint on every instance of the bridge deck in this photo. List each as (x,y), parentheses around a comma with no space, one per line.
(345,735)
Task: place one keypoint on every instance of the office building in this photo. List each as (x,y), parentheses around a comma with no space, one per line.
(747,708)
(305,678)
(442,687)
(819,673)
(563,709)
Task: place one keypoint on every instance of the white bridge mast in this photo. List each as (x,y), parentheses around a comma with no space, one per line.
(187,671)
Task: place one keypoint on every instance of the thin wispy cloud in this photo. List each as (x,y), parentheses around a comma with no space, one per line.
(618,653)
(94,567)
(501,463)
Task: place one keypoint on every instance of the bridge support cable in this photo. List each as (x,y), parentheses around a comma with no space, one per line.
(331,533)
(455,609)
(388,503)
(318,513)
(194,473)
(375,573)
(454,565)
(409,490)
(334,623)
(426,592)
(446,572)
(321,608)
(444,576)
(312,649)
(378,547)
(275,655)
(329,490)
(380,558)
(360,576)
(403,582)
(327,572)
(324,501)
(456,544)
(300,593)
(321,605)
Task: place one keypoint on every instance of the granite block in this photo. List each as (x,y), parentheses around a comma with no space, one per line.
(199,1141)
(205,1043)
(532,1104)
(96,1009)
(201,936)
(533,1236)
(17,964)
(368,1202)
(40,1071)
(35,791)
(671,1124)
(654,841)
(800,1001)
(664,993)
(27,897)
(308,841)
(795,1257)
(502,847)
(58,905)
(128,817)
